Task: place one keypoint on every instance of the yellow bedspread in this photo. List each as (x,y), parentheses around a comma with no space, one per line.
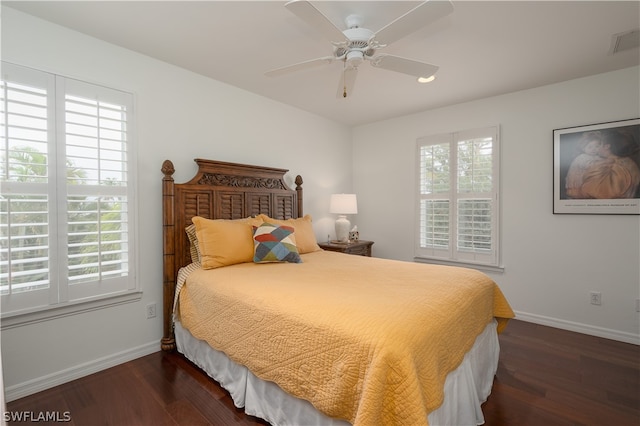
(363,339)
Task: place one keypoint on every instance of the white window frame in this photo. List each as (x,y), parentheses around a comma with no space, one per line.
(451,253)
(61,298)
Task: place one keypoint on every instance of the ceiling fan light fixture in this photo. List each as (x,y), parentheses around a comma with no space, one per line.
(429,79)
(355,57)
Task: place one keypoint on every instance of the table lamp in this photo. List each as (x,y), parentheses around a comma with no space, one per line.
(342,205)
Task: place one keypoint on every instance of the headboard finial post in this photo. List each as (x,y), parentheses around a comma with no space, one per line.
(298,182)
(167,169)
(168,253)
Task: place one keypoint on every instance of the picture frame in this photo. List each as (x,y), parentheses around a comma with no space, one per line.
(596,168)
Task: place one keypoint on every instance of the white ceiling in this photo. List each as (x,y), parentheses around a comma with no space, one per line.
(483,48)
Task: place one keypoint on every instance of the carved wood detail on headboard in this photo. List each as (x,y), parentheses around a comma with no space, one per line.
(219,190)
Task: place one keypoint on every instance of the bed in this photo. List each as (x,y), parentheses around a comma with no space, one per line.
(312,336)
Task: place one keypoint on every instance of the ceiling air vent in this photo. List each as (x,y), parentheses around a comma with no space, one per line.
(624,41)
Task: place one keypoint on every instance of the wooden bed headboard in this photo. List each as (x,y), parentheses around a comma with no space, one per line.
(219,190)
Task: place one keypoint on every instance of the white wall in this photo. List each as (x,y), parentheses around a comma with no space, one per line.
(551,261)
(180,116)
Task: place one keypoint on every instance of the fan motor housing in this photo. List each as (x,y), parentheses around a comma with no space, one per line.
(358,37)
(357,45)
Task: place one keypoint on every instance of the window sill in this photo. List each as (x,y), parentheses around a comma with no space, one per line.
(20,319)
(478,266)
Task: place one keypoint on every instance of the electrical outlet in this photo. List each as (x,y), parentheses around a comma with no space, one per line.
(596,298)
(151,310)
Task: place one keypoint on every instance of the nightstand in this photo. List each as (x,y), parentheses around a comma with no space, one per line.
(360,247)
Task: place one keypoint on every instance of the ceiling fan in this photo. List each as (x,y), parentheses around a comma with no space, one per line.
(357,44)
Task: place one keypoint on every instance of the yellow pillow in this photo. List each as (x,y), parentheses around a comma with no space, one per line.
(225,242)
(305,237)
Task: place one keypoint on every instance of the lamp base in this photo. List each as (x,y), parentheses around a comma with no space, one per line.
(342,229)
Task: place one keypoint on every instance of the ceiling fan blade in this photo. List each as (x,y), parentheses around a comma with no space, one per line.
(300,66)
(347,82)
(413,20)
(312,16)
(403,65)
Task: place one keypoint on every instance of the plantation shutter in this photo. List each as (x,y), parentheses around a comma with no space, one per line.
(435,189)
(96,160)
(458,197)
(27,222)
(67,211)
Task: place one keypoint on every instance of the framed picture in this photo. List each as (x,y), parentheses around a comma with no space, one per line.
(596,168)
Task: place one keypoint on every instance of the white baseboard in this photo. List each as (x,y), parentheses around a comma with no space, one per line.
(591,330)
(45,382)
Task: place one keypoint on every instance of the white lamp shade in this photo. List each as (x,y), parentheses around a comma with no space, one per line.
(343,204)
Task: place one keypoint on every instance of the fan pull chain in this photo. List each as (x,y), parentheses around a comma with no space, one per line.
(344,79)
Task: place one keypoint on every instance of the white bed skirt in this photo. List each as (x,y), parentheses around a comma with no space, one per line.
(465,389)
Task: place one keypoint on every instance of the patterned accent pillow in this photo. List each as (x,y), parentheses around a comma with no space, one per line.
(273,243)
(305,236)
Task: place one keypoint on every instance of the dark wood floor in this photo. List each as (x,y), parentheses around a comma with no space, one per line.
(546,377)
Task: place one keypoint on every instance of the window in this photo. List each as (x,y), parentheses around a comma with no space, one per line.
(67,217)
(457,218)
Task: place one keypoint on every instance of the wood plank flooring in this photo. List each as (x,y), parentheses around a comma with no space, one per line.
(546,377)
